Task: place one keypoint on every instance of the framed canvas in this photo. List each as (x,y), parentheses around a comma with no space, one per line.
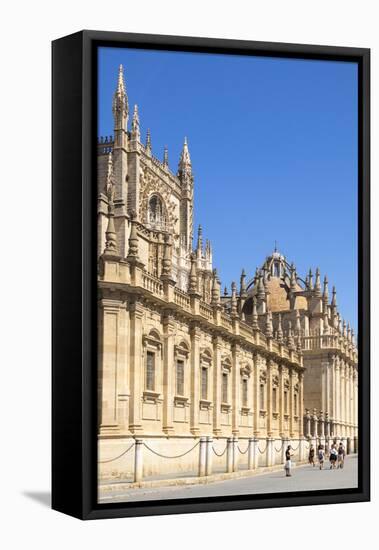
(210,275)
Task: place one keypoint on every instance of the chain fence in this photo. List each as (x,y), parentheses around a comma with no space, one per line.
(219,454)
(117,457)
(174,456)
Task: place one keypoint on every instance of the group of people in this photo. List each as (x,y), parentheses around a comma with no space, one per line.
(336,457)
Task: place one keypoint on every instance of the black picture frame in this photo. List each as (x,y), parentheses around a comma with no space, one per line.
(74,437)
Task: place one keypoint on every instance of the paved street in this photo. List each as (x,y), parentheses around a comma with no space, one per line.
(304,478)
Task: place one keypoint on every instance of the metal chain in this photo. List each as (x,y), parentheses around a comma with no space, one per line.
(264,450)
(176,456)
(218,454)
(117,457)
(281,447)
(296,447)
(243,452)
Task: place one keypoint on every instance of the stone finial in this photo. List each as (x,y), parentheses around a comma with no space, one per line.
(348,332)
(268,326)
(317,289)
(293,285)
(233,301)
(352,337)
(254,317)
(136,133)
(193,275)
(334,297)
(325,294)
(310,276)
(166,262)
(344,331)
(148,142)
(215,288)
(111,245)
(133,240)
(298,322)
(279,332)
(185,166)
(225,291)
(290,341)
(299,348)
(165,156)
(243,292)
(261,291)
(199,247)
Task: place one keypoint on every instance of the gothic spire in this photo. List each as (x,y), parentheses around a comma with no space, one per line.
(234,299)
(215,288)
(111,245)
(290,341)
(325,294)
(199,247)
(165,156)
(298,324)
(334,298)
(243,293)
(185,166)
(136,133)
(148,142)
(261,293)
(193,276)
(254,317)
(310,275)
(317,288)
(120,105)
(293,278)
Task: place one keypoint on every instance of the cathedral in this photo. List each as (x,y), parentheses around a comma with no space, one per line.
(265,364)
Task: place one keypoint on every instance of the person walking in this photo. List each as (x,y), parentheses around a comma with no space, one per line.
(311,455)
(333,456)
(341,455)
(321,456)
(288,465)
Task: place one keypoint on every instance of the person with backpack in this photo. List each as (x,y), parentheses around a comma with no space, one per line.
(333,457)
(341,455)
(311,455)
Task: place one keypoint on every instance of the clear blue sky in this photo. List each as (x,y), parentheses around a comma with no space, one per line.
(273,144)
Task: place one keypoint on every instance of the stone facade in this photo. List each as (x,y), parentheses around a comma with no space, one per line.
(179,362)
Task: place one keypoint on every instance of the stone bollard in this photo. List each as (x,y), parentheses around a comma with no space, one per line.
(229,455)
(138,460)
(269,443)
(208,465)
(235,454)
(251,454)
(202,456)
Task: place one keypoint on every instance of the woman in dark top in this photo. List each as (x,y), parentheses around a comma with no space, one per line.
(287,465)
(311,456)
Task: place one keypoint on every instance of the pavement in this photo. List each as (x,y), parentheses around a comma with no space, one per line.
(304,478)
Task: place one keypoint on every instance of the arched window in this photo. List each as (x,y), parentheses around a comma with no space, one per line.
(156,213)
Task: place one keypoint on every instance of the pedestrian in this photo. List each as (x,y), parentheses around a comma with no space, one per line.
(288,465)
(341,455)
(311,455)
(333,456)
(321,456)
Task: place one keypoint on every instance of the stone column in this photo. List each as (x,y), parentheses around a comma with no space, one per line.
(256,393)
(301,405)
(168,373)
(109,358)
(337,418)
(235,454)
(230,455)
(138,460)
(252,452)
(269,445)
(208,466)
(235,390)
(281,401)
(269,397)
(202,456)
(217,346)
(136,367)
(291,411)
(195,383)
